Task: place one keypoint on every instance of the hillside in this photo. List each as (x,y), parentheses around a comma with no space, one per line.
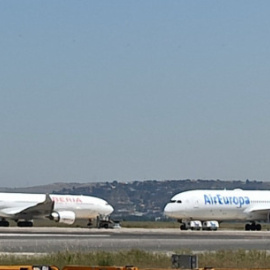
(139,199)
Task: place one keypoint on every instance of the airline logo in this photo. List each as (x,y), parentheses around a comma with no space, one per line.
(226,200)
(66,199)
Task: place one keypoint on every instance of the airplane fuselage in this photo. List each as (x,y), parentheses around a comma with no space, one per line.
(61,208)
(220,205)
(84,206)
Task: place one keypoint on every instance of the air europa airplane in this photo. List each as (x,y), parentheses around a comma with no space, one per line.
(23,208)
(197,209)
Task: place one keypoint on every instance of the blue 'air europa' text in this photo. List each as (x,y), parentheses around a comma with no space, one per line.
(227,200)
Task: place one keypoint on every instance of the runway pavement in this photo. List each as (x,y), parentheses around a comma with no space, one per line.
(46,240)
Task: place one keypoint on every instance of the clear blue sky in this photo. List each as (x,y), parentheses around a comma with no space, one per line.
(134,90)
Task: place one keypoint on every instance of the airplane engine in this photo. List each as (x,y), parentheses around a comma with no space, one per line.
(67,217)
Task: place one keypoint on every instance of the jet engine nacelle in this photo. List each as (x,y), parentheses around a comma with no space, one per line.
(67,217)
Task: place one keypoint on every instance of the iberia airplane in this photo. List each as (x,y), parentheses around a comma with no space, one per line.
(23,208)
(204,209)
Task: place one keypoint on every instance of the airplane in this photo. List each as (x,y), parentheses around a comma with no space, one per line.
(204,209)
(23,208)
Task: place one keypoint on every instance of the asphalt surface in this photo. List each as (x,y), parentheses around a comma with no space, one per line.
(47,240)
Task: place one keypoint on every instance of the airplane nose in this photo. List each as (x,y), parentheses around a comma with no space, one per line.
(168,210)
(109,208)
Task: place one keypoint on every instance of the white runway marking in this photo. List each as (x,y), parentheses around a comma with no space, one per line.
(9,235)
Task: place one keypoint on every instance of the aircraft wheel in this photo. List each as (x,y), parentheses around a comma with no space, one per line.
(4,223)
(25,224)
(253,226)
(258,227)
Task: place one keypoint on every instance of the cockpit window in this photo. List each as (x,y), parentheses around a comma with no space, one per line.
(175,201)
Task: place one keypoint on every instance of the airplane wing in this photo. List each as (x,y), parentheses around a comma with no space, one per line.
(31,210)
(259,212)
(258,208)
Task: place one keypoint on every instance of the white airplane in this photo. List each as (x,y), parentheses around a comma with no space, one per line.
(23,208)
(197,209)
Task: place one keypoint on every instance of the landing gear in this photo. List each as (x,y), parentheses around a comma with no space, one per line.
(90,223)
(25,223)
(183,227)
(253,227)
(4,223)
